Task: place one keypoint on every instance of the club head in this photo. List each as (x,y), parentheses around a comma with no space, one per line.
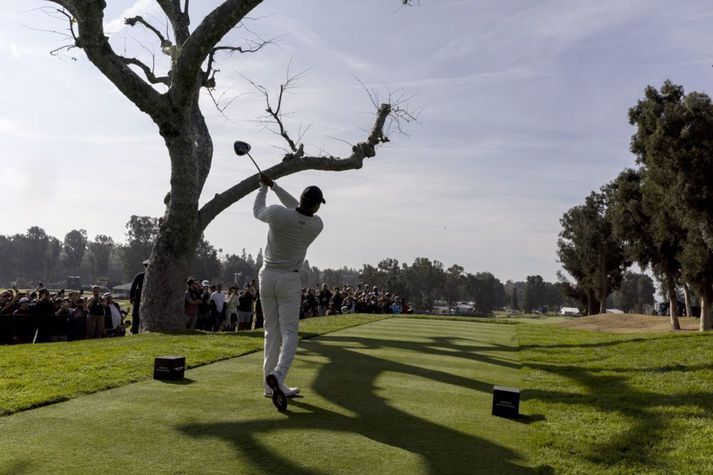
(241,148)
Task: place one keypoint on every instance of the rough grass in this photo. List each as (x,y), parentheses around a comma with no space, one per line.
(629,323)
(35,375)
(613,403)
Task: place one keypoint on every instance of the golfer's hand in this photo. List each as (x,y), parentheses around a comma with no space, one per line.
(266,180)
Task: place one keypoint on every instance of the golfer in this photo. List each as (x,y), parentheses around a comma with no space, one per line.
(293,227)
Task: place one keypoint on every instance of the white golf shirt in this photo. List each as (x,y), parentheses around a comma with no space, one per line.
(291,232)
(219,299)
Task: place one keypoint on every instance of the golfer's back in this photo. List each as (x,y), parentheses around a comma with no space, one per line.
(291,233)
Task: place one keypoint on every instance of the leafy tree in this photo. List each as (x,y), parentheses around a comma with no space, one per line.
(100,251)
(237,268)
(205,264)
(424,280)
(141,234)
(33,250)
(485,290)
(9,259)
(310,275)
(514,304)
(74,246)
(636,292)
(454,285)
(172,100)
(674,143)
(535,293)
(54,249)
(590,252)
(647,225)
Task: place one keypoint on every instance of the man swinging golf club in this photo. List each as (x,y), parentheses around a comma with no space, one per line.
(293,227)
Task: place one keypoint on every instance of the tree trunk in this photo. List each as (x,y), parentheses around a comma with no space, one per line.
(687,298)
(162,307)
(603,295)
(190,148)
(706,322)
(673,304)
(590,302)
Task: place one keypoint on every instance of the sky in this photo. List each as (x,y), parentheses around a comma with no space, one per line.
(522,111)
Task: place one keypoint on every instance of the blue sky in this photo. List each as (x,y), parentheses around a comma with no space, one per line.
(523,112)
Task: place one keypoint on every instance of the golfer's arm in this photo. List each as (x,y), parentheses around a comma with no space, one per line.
(287,199)
(259,205)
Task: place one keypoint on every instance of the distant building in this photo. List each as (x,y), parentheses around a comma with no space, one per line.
(121,291)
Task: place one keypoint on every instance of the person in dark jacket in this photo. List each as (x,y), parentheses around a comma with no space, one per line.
(137,286)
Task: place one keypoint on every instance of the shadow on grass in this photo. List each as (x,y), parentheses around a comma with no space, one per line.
(608,393)
(349,380)
(178,382)
(441,346)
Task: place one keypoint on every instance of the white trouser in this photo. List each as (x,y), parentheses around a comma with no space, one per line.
(280,294)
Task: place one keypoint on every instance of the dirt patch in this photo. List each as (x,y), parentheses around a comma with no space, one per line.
(628,323)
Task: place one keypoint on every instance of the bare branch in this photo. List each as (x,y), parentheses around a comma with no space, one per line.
(209,74)
(178,19)
(165,43)
(89,16)
(197,46)
(275,114)
(360,151)
(150,76)
(218,101)
(56,51)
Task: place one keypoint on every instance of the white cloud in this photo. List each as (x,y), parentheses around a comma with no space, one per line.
(15,50)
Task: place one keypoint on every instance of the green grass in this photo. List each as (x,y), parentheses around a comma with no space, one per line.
(400,396)
(35,375)
(619,403)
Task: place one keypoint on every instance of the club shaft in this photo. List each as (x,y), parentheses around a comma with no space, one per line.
(251,159)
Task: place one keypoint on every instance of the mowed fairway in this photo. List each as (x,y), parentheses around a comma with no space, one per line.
(395,396)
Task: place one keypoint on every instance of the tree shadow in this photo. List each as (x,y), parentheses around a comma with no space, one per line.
(613,394)
(441,346)
(178,382)
(350,379)
(19,468)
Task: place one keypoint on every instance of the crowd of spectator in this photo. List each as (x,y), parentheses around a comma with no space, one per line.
(40,315)
(208,308)
(346,299)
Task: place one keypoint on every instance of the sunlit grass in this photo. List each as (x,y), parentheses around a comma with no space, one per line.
(34,375)
(619,403)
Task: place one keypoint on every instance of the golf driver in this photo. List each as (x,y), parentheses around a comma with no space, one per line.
(243,148)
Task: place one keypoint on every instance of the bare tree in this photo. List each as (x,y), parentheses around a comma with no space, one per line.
(180,122)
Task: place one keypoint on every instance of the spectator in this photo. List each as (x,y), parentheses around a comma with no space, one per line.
(396,306)
(77,329)
(245,309)
(204,307)
(217,301)
(231,304)
(113,316)
(137,286)
(258,309)
(324,297)
(192,302)
(24,308)
(44,307)
(95,319)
